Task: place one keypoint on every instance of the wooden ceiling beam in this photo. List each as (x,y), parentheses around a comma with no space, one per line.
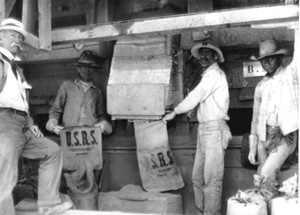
(177,24)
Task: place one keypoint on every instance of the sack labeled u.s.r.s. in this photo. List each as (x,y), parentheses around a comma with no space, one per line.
(158,169)
(81,145)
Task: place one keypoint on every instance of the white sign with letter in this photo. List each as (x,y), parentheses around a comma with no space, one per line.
(253,69)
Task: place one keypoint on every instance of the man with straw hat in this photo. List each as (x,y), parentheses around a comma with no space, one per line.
(18,135)
(211,96)
(274,127)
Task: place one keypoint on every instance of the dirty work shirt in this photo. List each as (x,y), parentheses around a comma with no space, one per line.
(211,94)
(285,102)
(80,106)
(212,97)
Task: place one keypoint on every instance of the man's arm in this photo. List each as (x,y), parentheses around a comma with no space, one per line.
(56,110)
(100,112)
(2,75)
(253,137)
(203,90)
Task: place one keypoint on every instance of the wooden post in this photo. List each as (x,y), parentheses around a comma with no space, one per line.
(180,74)
(5,8)
(90,12)
(2,10)
(29,14)
(102,15)
(45,39)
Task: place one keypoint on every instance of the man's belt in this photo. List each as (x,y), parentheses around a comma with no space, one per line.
(13,111)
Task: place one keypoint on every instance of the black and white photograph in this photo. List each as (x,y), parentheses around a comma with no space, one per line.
(149,107)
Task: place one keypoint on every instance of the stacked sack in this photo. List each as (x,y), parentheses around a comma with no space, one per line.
(250,202)
(289,203)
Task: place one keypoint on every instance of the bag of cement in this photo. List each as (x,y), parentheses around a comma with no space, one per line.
(246,203)
(82,188)
(289,204)
(81,145)
(156,161)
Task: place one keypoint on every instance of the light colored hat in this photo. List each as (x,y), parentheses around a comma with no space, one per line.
(208,45)
(268,48)
(14,25)
(87,58)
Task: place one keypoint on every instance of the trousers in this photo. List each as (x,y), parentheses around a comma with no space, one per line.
(208,170)
(270,162)
(16,141)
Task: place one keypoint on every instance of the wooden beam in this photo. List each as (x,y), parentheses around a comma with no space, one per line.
(58,53)
(178,24)
(238,36)
(29,14)
(45,40)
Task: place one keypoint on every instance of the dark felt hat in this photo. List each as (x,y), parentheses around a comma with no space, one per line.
(87,58)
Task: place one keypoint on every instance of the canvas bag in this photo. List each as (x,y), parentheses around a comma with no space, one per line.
(158,169)
(81,145)
(82,188)
(289,203)
(236,206)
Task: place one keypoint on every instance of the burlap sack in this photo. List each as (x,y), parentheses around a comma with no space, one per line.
(157,165)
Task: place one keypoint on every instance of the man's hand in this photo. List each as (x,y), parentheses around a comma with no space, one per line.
(105,127)
(35,130)
(253,142)
(57,129)
(169,117)
(52,126)
(252,159)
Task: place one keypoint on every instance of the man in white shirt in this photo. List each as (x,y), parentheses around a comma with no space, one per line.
(212,97)
(18,135)
(274,127)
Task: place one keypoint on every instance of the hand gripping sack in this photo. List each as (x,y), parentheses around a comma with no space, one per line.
(158,169)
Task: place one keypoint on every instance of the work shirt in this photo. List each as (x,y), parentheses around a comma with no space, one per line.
(285,102)
(13,94)
(211,94)
(79,107)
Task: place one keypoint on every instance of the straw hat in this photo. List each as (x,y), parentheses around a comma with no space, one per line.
(13,25)
(268,48)
(208,45)
(87,58)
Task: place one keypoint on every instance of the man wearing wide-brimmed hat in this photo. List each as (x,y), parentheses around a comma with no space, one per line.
(80,101)
(18,135)
(211,96)
(274,127)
